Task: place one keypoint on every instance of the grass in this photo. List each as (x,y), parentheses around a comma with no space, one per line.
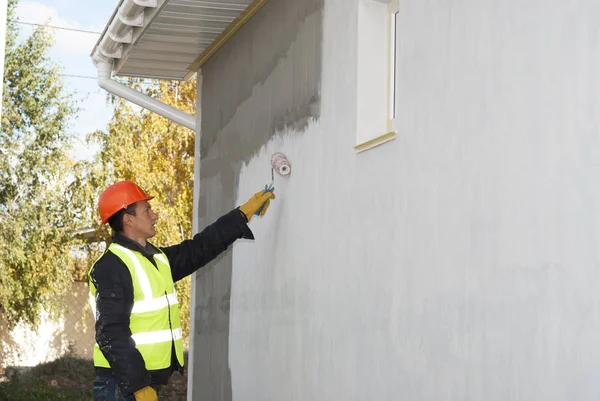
(66,379)
(69,378)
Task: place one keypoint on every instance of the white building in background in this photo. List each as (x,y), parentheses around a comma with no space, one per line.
(439,235)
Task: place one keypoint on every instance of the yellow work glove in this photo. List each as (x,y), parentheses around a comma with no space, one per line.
(146,394)
(260,199)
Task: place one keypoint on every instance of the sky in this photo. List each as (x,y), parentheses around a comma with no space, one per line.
(72,51)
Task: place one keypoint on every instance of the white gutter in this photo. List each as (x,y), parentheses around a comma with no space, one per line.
(141,99)
(127,25)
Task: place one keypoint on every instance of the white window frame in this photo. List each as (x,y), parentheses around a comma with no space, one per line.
(394,10)
(377,98)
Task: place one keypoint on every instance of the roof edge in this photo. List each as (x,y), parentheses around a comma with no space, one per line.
(126,26)
(227,34)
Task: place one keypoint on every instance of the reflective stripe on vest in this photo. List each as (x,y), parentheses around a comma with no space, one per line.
(154,319)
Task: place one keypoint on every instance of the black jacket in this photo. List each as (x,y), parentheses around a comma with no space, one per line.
(114,296)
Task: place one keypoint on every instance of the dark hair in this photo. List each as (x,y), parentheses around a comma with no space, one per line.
(116,220)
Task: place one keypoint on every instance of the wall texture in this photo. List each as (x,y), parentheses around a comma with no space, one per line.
(265,79)
(458,262)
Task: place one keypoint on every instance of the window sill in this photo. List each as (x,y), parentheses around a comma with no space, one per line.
(371,143)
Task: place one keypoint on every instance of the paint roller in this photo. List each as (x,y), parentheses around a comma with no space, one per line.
(281,165)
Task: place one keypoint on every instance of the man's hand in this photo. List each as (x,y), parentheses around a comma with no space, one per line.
(262,198)
(146,394)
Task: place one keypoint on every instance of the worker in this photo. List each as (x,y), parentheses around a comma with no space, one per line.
(138,332)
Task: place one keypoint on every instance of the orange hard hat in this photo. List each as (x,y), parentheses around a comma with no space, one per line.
(118,196)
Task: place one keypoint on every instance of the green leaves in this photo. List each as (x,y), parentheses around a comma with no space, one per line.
(45,198)
(35,222)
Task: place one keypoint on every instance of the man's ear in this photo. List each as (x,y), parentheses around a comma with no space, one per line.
(127,219)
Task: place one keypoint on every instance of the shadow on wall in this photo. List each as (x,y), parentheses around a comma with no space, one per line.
(263,83)
(29,346)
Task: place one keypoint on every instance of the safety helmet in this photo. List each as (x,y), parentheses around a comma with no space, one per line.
(119,196)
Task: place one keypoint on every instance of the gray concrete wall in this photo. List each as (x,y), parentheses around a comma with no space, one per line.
(458,262)
(265,79)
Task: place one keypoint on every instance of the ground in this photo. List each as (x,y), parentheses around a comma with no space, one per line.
(67,379)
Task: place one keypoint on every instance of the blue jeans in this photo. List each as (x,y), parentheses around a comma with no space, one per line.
(106,389)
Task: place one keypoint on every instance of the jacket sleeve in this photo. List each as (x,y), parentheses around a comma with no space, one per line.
(114,301)
(190,255)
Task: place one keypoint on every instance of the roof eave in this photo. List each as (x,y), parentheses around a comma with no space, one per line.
(126,27)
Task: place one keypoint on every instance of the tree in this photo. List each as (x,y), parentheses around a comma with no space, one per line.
(155,153)
(36,222)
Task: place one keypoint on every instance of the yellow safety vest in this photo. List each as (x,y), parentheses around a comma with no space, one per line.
(154,320)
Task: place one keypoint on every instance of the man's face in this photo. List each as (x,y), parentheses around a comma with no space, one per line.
(143,222)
